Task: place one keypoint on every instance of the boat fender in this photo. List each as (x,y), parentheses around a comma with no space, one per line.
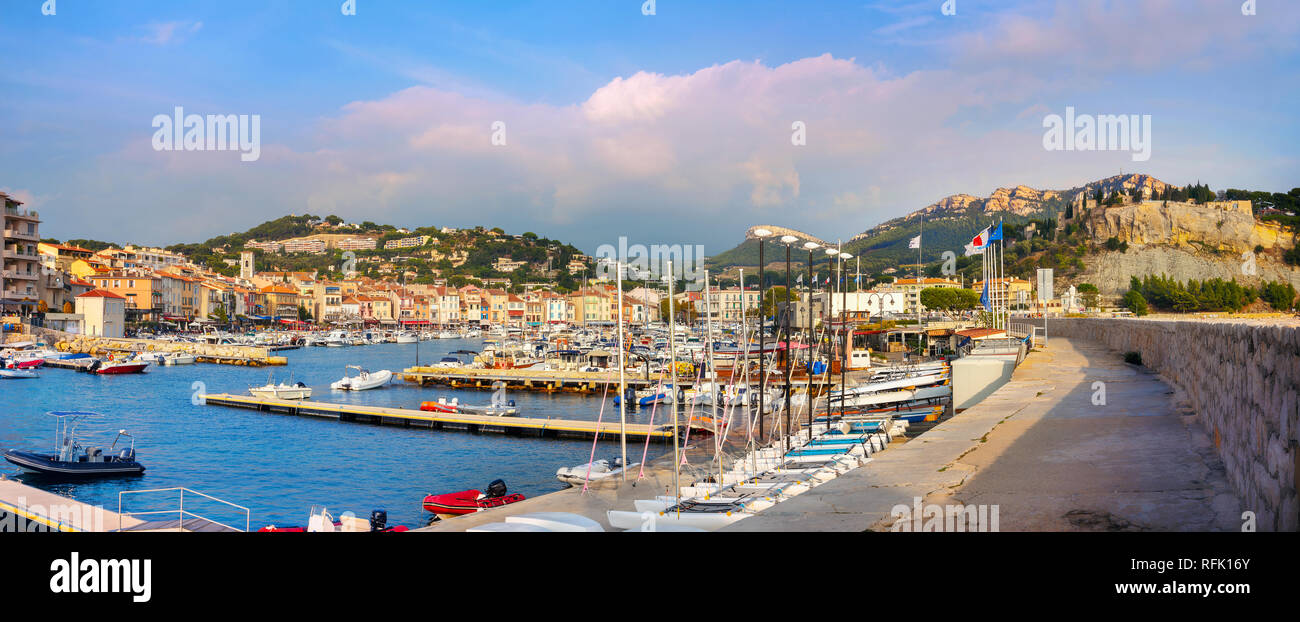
(681,395)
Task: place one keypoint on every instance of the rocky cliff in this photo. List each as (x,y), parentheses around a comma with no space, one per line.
(1227,226)
(1185,241)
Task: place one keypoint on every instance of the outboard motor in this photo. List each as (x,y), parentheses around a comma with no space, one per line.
(496,489)
(629,397)
(378,520)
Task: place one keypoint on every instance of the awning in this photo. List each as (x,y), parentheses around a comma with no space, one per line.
(416,322)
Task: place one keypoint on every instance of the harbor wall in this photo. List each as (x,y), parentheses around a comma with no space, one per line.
(1243,380)
(227,353)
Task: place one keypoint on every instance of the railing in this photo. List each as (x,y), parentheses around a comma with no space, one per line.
(20,213)
(1036,333)
(180,511)
(10,233)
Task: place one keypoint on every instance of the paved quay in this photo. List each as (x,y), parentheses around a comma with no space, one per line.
(1046,455)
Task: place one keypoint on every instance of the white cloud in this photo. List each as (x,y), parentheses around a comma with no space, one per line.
(163,33)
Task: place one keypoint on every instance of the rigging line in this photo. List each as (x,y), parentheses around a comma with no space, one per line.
(690,414)
(641,472)
(595,439)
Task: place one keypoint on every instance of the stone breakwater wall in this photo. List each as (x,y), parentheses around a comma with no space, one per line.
(1243,379)
(96,346)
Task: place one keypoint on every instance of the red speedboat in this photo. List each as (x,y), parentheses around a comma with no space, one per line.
(470,501)
(27,364)
(113,366)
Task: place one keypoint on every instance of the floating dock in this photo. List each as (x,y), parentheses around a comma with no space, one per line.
(517,426)
(530,380)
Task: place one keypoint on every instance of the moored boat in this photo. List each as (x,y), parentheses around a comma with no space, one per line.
(470,501)
(297,391)
(71,459)
(365,379)
(114,366)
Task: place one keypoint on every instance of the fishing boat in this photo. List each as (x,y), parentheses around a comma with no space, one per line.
(591,472)
(296,391)
(365,379)
(405,337)
(71,459)
(470,501)
(179,358)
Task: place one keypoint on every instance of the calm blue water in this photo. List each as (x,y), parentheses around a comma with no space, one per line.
(279,465)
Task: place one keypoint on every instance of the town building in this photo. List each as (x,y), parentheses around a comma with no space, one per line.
(103,313)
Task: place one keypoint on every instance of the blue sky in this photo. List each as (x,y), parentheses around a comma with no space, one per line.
(670,128)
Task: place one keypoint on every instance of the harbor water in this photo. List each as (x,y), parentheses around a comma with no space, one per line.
(280,465)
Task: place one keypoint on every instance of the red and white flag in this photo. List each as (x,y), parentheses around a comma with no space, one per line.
(981,239)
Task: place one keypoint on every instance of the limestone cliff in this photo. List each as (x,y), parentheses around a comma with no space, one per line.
(1227,226)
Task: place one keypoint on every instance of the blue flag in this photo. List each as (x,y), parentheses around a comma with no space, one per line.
(984,298)
(997,233)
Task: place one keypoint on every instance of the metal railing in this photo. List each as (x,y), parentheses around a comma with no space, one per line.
(180,511)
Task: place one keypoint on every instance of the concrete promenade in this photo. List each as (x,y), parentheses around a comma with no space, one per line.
(1046,455)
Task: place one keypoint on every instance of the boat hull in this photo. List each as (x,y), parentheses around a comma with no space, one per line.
(47,465)
(466,502)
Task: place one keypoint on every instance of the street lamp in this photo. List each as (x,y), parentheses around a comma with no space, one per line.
(848,335)
(761,234)
(810,246)
(787,240)
(831,255)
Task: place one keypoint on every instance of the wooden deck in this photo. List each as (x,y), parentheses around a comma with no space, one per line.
(520,426)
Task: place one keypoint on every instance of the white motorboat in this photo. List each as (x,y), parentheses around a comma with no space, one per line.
(594,471)
(365,379)
(405,338)
(179,358)
(17,373)
(296,391)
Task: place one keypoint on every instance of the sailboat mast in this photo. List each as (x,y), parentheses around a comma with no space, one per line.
(713,373)
(672,362)
(622,382)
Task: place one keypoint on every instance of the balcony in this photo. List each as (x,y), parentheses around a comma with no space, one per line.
(14,234)
(15,274)
(19,253)
(13,212)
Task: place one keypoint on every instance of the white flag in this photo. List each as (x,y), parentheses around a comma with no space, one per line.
(971,249)
(915,243)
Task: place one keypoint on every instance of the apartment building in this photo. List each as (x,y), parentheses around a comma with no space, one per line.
(20,269)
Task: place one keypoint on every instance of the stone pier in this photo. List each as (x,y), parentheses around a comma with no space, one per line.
(1078,440)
